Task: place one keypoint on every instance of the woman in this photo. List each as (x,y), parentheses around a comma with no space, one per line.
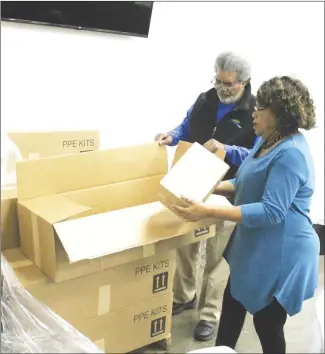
(273,252)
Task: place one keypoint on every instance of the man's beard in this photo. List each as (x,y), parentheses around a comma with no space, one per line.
(226,98)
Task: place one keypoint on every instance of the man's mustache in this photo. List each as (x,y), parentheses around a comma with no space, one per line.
(224,93)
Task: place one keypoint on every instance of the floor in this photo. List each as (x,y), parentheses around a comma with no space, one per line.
(304,332)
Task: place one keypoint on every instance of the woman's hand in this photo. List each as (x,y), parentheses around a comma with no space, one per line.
(194,211)
(213,145)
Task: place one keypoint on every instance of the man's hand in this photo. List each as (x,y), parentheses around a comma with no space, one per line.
(194,210)
(213,145)
(164,139)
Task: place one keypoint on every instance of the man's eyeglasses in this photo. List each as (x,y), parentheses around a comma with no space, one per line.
(259,108)
(218,83)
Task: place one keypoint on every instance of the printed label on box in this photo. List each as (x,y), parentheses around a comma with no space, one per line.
(158,326)
(142,316)
(202,231)
(149,268)
(82,143)
(160,282)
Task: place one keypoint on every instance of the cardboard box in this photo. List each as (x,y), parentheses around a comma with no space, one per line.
(37,145)
(66,270)
(195,175)
(131,328)
(9,219)
(99,214)
(140,320)
(98,293)
(52,143)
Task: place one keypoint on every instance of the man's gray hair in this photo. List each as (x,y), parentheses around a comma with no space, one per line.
(232,62)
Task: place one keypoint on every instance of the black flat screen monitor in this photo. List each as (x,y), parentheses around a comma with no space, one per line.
(122,17)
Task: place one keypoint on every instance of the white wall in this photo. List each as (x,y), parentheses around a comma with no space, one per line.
(131,88)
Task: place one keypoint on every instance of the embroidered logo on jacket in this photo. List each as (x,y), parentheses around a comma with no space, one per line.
(237,122)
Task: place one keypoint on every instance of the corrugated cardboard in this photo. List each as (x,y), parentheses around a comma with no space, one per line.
(222,230)
(9,220)
(133,327)
(65,217)
(89,170)
(195,175)
(52,143)
(99,293)
(66,270)
(146,224)
(37,145)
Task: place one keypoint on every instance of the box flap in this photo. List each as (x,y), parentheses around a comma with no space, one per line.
(62,174)
(107,233)
(183,146)
(118,195)
(16,259)
(54,208)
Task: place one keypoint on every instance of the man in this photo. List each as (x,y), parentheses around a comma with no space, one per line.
(221,118)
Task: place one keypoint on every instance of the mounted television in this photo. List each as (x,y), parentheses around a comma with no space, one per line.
(122,17)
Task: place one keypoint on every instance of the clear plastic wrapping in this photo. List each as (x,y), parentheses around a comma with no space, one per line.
(10,155)
(28,326)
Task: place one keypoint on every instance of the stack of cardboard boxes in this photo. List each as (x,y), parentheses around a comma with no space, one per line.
(98,247)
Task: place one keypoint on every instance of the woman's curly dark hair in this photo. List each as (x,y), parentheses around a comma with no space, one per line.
(290,101)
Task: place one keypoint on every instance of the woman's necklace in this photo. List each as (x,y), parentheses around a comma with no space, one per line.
(268,143)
